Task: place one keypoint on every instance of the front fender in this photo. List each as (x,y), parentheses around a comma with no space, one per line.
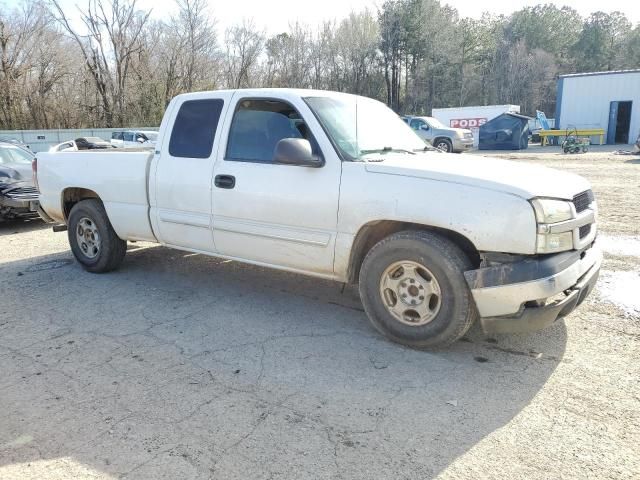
(492,220)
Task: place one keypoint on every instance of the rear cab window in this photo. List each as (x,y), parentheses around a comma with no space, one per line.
(194,128)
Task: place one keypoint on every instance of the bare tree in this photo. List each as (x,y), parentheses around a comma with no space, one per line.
(244,46)
(113,28)
(121,67)
(18,30)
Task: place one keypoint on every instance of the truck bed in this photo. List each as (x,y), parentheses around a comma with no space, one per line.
(119,177)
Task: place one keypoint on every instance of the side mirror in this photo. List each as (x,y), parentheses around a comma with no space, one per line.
(140,140)
(424,127)
(296,151)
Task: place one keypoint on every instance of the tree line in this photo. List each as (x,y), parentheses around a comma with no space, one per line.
(116,65)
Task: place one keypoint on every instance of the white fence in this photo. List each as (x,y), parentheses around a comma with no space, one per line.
(41,140)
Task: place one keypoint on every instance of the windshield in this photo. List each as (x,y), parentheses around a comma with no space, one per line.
(14,155)
(359,126)
(435,123)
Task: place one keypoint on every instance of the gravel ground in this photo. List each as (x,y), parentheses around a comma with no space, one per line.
(184,366)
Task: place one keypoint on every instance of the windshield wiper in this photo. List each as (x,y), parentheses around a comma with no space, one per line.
(386,150)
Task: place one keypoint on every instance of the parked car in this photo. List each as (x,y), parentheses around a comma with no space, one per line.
(134,138)
(91,143)
(337,186)
(444,138)
(16,142)
(18,195)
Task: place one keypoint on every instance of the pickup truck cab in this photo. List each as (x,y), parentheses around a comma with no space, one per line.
(337,186)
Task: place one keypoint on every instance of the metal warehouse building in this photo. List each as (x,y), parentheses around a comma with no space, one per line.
(608,100)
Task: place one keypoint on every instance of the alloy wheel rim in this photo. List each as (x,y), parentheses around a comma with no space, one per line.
(443,146)
(88,237)
(410,293)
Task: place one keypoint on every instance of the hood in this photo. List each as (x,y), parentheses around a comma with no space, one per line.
(463,130)
(516,178)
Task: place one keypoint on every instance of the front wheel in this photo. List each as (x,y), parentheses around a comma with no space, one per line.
(444,144)
(413,289)
(93,241)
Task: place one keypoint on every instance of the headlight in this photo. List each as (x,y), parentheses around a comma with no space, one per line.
(5,182)
(551,211)
(460,133)
(554,242)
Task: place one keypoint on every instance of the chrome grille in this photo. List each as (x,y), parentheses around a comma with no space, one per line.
(582,200)
(21,193)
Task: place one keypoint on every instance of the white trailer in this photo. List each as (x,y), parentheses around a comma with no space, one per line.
(471,117)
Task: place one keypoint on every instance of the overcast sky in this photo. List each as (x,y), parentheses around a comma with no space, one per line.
(274,15)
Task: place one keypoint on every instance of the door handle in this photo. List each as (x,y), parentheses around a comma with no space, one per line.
(225,181)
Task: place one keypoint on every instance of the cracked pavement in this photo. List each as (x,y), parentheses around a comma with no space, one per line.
(184,366)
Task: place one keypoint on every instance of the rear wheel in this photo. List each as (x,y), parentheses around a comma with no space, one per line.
(93,241)
(444,144)
(413,289)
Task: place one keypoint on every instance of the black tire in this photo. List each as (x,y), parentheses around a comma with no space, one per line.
(110,250)
(445,262)
(443,144)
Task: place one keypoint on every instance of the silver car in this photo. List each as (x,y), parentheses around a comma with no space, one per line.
(18,194)
(440,136)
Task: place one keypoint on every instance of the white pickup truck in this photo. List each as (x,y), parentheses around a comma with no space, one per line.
(338,186)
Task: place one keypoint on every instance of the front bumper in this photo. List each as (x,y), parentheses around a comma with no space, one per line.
(523,296)
(462,144)
(18,200)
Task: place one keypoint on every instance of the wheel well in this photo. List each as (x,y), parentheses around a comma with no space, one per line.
(373,232)
(71,196)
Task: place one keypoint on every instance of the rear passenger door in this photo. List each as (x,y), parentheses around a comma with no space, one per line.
(281,215)
(180,195)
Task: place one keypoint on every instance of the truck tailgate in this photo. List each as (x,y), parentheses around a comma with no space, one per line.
(119,178)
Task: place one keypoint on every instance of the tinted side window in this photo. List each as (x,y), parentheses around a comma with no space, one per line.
(257,127)
(128,137)
(416,124)
(195,128)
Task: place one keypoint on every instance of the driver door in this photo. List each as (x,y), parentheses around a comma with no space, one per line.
(281,215)
(422,128)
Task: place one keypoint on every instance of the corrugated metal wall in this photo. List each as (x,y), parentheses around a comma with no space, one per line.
(41,140)
(585,100)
